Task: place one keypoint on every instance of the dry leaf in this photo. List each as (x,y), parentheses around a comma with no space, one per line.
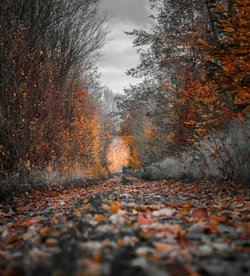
(199,213)
(85,201)
(114,208)
(239,186)
(51,242)
(12,239)
(142,219)
(161,247)
(99,217)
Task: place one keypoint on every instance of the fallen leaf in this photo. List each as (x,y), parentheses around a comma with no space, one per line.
(142,219)
(161,247)
(114,208)
(97,256)
(105,206)
(199,213)
(43,231)
(54,219)
(242,249)
(106,242)
(163,212)
(51,242)
(182,240)
(239,186)
(173,204)
(77,213)
(27,236)
(12,239)
(99,217)
(212,228)
(153,207)
(145,234)
(91,268)
(120,242)
(118,217)
(25,223)
(213,221)
(177,268)
(186,205)
(221,218)
(142,208)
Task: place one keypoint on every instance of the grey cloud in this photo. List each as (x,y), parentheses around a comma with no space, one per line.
(127,10)
(119,54)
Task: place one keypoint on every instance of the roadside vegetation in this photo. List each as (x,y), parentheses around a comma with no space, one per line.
(189,118)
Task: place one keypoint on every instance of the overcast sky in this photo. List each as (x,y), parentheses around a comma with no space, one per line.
(119,55)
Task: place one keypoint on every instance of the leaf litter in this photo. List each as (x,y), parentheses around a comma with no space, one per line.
(144,228)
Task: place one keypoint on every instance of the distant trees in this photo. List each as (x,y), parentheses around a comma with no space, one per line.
(47,49)
(194,61)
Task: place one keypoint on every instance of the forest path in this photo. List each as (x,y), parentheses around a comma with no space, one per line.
(119,227)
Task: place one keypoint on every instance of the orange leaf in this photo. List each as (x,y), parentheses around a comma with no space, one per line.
(239,186)
(120,242)
(114,208)
(77,213)
(186,205)
(222,218)
(182,240)
(44,230)
(97,257)
(105,206)
(211,229)
(154,207)
(173,204)
(199,213)
(144,220)
(99,217)
(26,223)
(242,249)
(51,242)
(143,208)
(213,221)
(12,239)
(106,242)
(144,234)
(54,219)
(161,247)
(229,30)
(85,201)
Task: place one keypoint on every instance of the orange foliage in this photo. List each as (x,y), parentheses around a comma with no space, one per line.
(232,53)
(118,154)
(197,108)
(129,142)
(90,137)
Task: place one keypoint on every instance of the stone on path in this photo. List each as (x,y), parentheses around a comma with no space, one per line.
(126,181)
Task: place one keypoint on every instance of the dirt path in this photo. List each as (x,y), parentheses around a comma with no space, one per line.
(135,228)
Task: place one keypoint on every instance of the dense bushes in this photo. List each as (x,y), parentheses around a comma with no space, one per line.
(48,122)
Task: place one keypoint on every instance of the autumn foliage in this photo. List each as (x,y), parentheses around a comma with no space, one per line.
(48,120)
(228,52)
(195,65)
